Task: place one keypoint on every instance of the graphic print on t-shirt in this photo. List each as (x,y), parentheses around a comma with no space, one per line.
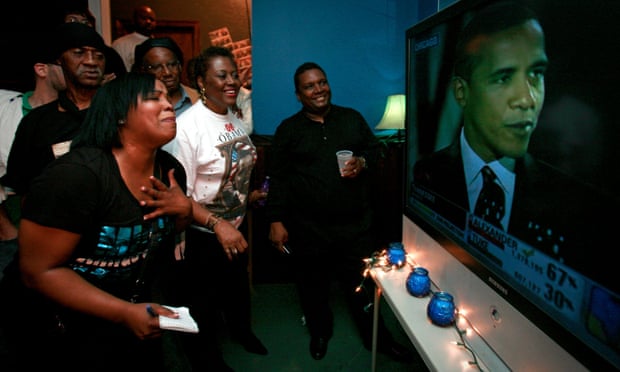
(240,156)
(121,250)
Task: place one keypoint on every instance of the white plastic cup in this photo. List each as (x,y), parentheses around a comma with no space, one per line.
(343,156)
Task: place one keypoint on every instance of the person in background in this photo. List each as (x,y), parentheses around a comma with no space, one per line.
(114,63)
(243,106)
(246,78)
(324,217)
(243,109)
(96,225)
(163,58)
(46,132)
(144,23)
(118,29)
(218,156)
(79,15)
(48,81)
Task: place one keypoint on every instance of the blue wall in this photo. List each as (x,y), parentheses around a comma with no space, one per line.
(359,43)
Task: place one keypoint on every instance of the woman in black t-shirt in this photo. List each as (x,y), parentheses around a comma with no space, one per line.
(98,227)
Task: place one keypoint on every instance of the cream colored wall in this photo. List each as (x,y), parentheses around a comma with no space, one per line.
(212,14)
(101,11)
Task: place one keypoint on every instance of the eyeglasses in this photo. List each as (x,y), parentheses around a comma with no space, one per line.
(78,19)
(170,66)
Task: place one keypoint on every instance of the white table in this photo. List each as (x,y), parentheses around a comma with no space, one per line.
(436,345)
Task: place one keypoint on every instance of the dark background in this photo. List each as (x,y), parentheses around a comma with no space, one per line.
(22,30)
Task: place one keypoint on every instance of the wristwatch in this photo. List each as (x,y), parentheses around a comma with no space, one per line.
(363,161)
(212,220)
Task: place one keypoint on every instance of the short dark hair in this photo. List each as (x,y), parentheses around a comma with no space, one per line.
(489,20)
(109,109)
(200,62)
(303,68)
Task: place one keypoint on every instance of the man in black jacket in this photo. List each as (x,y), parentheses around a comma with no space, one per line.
(323,213)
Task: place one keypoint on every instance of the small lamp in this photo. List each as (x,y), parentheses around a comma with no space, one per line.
(394,115)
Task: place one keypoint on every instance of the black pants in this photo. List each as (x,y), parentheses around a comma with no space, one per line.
(215,290)
(42,336)
(324,255)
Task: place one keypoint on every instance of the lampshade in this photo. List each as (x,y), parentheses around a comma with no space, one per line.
(394,115)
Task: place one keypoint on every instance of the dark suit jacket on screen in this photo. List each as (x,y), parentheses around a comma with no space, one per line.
(551,211)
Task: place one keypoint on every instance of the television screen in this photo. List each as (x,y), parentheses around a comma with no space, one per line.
(531,94)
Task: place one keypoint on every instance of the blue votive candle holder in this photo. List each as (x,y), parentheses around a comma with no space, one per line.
(441,309)
(396,254)
(418,282)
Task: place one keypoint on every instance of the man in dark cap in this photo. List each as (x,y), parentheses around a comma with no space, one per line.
(163,58)
(114,66)
(46,132)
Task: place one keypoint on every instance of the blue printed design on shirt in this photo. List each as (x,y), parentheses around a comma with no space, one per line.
(120,250)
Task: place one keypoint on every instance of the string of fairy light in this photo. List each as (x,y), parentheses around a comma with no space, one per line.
(380,260)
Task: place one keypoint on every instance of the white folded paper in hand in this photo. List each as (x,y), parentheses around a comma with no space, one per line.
(184,323)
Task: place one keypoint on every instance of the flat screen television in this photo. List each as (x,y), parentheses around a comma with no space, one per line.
(546,297)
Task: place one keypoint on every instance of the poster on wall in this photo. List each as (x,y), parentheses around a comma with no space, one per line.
(241,49)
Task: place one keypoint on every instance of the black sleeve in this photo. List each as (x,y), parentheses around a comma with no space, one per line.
(22,163)
(64,196)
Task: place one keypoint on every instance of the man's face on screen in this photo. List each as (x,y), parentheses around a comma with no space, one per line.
(503,98)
